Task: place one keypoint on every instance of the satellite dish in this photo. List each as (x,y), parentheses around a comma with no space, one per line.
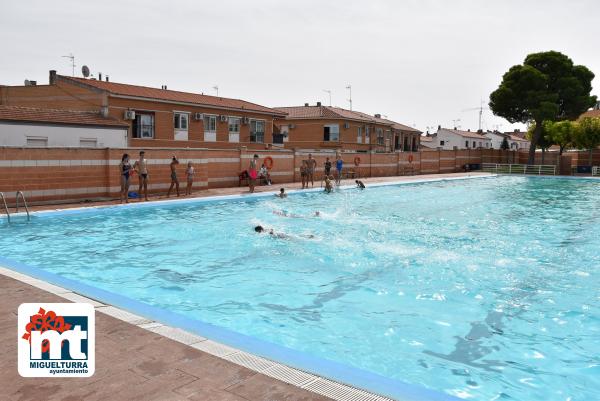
(85,71)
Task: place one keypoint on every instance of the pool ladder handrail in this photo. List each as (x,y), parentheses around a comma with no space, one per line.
(24,203)
(5,206)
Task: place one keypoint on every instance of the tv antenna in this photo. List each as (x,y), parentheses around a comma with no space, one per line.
(85,71)
(456,126)
(480,109)
(216,88)
(329,92)
(349,87)
(72,58)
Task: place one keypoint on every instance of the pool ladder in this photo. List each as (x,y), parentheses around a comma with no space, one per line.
(19,194)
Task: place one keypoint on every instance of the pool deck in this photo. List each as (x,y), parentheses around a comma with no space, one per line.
(263,188)
(132,363)
(136,363)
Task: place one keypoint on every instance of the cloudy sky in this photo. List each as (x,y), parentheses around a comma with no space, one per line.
(420,62)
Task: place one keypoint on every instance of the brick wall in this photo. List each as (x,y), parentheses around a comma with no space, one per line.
(61,174)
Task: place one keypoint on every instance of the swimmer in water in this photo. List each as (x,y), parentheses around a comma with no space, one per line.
(360,184)
(328,184)
(274,234)
(281,193)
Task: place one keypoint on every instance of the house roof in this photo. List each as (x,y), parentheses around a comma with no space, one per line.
(518,138)
(467,134)
(68,117)
(591,113)
(318,112)
(145,92)
(426,138)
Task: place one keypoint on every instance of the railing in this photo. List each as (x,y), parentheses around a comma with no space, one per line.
(595,171)
(20,193)
(538,169)
(5,206)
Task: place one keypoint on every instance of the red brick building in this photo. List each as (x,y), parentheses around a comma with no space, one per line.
(155,117)
(326,127)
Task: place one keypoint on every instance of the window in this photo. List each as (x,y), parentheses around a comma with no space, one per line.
(442,143)
(257,131)
(37,141)
(331,133)
(88,142)
(234,125)
(380,140)
(359,135)
(143,125)
(467,144)
(474,144)
(180,121)
(367,133)
(210,123)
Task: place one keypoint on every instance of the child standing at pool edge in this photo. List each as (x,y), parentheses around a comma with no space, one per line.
(190,178)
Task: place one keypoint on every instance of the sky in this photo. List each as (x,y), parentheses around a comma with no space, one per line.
(422,63)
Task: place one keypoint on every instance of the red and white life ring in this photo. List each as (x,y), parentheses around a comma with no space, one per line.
(410,158)
(269,162)
(357,161)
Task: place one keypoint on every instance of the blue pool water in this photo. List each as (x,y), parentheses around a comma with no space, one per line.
(484,288)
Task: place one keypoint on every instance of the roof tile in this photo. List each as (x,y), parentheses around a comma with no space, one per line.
(171,95)
(29,114)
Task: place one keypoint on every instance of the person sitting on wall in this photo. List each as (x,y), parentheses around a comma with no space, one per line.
(264,174)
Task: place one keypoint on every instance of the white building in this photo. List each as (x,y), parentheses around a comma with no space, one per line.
(514,142)
(31,127)
(451,139)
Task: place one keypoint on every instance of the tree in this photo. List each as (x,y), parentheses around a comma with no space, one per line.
(588,135)
(504,145)
(560,133)
(543,142)
(547,86)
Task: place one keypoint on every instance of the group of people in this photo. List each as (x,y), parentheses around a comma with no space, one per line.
(308,167)
(140,167)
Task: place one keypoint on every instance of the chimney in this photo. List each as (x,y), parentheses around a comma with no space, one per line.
(33,83)
(107,78)
(99,76)
(305,104)
(480,131)
(377,115)
(318,104)
(52,79)
(439,127)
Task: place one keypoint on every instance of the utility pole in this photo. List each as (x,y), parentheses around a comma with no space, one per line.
(72,58)
(349,87)
(329,92)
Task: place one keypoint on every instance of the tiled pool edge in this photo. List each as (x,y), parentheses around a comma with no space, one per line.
(328,378)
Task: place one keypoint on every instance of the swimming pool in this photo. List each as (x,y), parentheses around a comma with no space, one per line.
(484,288)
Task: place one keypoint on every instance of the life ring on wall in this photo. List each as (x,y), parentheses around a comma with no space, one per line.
(357,161)
(269,162)
(410,158)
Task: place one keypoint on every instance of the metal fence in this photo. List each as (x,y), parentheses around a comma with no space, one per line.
(538,169)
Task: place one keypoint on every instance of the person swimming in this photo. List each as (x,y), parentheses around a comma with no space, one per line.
(281,193)
(262,230)
(328,184)
(360,184)
(285,213)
